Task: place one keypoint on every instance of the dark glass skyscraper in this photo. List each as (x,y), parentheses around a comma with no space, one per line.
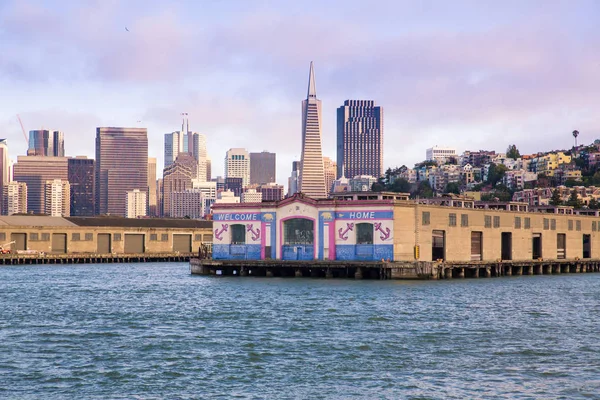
(81,179)
(262,167)
(359,139)
(121,166)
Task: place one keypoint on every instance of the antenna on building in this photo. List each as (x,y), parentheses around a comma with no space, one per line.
(184,115)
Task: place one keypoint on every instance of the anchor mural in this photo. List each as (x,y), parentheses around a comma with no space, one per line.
(343,233)
(255,233)
(219,234)
(385,234)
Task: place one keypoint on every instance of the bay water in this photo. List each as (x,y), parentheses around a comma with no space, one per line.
(153,331)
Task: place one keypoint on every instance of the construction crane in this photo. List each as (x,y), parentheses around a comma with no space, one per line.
(23,130)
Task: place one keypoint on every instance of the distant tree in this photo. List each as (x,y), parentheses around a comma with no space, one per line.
(379,186)
(571,182)
(424,190)
(496,173)
(555,200)
(574,200)
(593,204)
(452,187)
(513,152)
(400,185)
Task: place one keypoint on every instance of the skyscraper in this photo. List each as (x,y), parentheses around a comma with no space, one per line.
(262,167)
(360,139)
(81,180)
(176,178)
(293,179)
(58,198)
(311,180)
(35,171)
(237,165)
(14,198)
(330,171)
(4,167)
(152,187)
(121,166)
(173,146)
(46,143)
(186,141)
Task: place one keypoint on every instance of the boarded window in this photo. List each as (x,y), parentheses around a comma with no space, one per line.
(364,233)
(153,237)
(570,224)
(553,224)
(238,234)
(2,236)
(198,237)
(593,226)
(207,237)
(89,237)
(464,220)
(578,225)
(517,222)
(45,237)
(546,224)
(561,246)
(75,237)
(34,237)
(425,218)
(488,221)
(527,223)
(117,237)
(496,221)
(164,237)
(452,219)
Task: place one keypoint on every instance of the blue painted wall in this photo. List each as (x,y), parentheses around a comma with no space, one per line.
(298,252)
(236,251)
(364,252)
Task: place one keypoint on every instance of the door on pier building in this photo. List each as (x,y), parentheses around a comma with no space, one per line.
(298,239)
(476,246)
(182,243)
(561,246)
(103,243)
(134,243)
(506,246)
(587,246)
(438,245)
(59,243)
(536,245)
(20,241)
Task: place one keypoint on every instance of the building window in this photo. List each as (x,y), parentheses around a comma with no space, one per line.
(464,220)
(3,236)
(527,223)
(488,221)
(75,237)
(298,231)
(117,237)
(517,222)
(577,225)
(34,237)
(164,237)
(198,237)
(238,234)
(546,224)
(153,237)
(425,218)
(207,237)
(89,237)
(593,226)
(570,224)
(553,224)
(364,233)
(452,219)
(45,237)
(496,221)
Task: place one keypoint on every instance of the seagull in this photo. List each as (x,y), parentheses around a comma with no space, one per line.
(126,29)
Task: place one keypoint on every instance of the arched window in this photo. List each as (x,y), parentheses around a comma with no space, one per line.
(238,234)
(364,233)
(298,231)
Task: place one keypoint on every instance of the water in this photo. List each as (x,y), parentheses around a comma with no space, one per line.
(153,331)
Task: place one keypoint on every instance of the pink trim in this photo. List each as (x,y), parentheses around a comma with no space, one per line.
(262,240)
(332,240)
(315,228)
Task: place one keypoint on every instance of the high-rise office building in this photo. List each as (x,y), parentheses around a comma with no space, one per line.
(4,167)
(177,177)
(237,165)
(360,139)
(121,166)
(330,169)
(262,167)
(35,171)
(186,141)
(136,202)
(81,181)
(236,185)
(14,198)
(293,179)
(311,180)
(58,198)
(174,145)
(152,186)
(271,191)
(188,203)
(46,143)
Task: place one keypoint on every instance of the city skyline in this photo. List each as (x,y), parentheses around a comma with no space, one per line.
(466,75)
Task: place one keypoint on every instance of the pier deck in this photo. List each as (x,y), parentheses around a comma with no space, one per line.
(91,258)
(390,270)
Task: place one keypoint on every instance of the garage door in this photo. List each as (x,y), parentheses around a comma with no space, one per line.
(182,243)
(20,241)
(59,242)
(134,243)
(104,243)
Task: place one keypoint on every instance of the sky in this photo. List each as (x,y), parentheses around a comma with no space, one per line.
(467,74)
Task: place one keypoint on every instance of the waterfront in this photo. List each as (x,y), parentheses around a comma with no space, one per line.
(154,331)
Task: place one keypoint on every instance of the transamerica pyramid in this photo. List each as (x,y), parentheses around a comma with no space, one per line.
(311,179)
